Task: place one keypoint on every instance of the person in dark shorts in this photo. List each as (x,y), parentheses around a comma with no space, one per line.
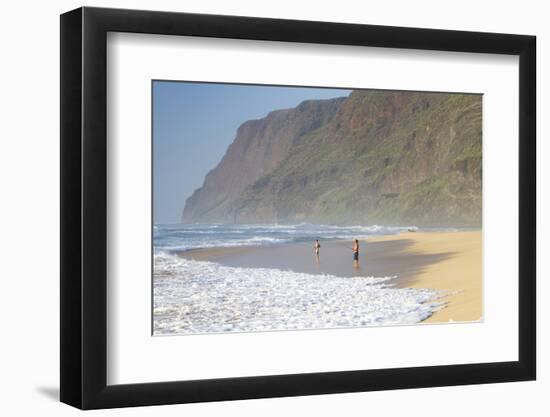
(355,250)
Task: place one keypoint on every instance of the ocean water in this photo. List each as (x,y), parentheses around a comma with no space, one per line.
(196,297)
(177,238)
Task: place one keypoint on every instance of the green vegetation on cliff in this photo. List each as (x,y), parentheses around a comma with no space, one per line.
(374,157)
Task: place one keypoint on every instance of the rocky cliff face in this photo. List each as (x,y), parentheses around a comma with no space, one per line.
(374,157)
(259,147)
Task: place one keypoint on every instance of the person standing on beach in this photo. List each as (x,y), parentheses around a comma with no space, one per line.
(355,250)
(317,247)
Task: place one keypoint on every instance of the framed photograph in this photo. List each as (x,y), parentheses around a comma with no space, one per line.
(257,208)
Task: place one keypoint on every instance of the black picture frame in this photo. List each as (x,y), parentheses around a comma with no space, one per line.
(84,207)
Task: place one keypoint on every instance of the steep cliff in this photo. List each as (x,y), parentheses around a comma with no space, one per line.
(259,147)
(374,157)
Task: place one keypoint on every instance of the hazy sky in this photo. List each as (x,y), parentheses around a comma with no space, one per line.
(194,123)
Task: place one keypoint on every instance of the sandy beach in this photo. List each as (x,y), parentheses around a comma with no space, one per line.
(459,270)
(446,261)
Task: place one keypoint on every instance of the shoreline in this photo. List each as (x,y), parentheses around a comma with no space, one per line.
(442,261)
(461,274)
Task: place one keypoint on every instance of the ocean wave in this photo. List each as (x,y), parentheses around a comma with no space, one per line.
(185,237)
(193,297)
(184,245)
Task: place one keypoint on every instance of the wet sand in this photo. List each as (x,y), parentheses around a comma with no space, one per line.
(449,261)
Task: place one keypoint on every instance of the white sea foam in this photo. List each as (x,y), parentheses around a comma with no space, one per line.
(192,297)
